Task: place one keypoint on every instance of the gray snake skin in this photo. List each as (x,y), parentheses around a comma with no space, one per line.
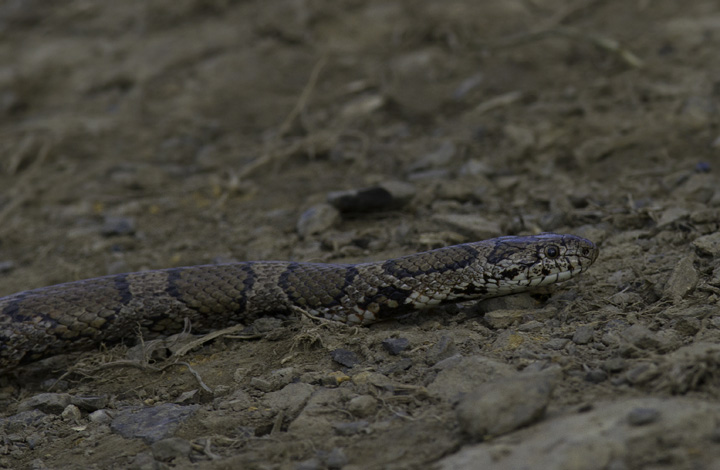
(80,315)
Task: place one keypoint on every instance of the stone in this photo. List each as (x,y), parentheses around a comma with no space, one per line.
(499,319)
(290,399)
(442,349)
(641,416)
(118,226)
(683,279)
(385,196)
(171,448)
(317,219)
(51,403)
(583,335)
(458,377)
(708,244)
(602,439)
(150,424)
(395,345)
(363,406)
(502,406)
(344,357)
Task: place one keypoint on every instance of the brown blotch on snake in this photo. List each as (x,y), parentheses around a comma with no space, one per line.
(80,315)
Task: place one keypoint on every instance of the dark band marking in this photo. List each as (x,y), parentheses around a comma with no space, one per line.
(288,286)
(172,288)
(350,274)
(123,287)
(247,284)
(12,309)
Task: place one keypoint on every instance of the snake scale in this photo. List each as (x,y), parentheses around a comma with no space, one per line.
(80,315)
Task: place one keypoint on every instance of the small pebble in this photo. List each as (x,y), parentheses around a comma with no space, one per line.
(683,279)
(643,416)
(363,406)
(613,364)
(117,226)
(556,343)
(583,335)
(6,266)
(336,458)
(443,349)
(395,345)
(171,448)
(317,219)
(100,416)
(261,384)
(351,428)
(596,376)
(71,413)
(708,244)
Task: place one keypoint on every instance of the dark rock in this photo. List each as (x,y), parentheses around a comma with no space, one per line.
(643,416)
(90,404)
(117,226)
(345,357)
(386,196)
(395,345)
(596,376)
(6,266)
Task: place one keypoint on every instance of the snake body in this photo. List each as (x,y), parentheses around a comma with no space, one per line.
(79,315)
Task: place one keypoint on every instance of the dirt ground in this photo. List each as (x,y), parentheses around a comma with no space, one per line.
(150,134)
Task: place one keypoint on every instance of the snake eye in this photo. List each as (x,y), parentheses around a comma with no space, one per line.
(552,252)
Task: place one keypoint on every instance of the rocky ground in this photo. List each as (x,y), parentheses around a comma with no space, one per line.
(149,134)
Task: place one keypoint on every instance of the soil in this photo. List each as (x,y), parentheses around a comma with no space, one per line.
(150,134)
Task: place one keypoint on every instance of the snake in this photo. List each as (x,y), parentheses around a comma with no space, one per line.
(81,315)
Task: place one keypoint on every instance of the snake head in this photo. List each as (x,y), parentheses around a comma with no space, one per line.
(522,262)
